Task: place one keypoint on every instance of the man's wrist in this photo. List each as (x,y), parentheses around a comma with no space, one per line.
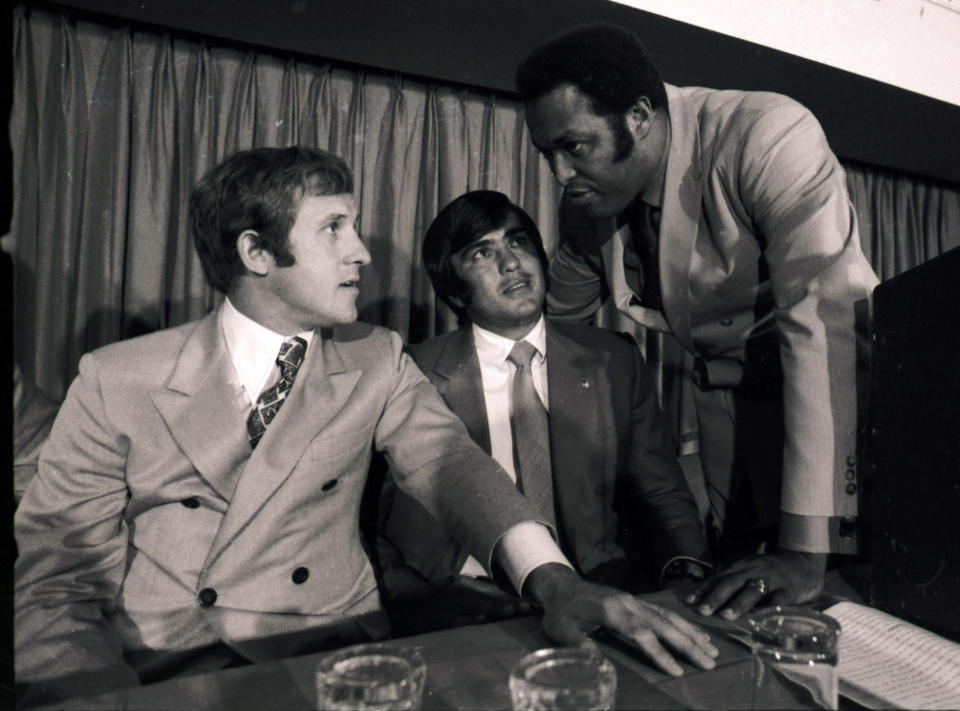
(544,581)
(682,568)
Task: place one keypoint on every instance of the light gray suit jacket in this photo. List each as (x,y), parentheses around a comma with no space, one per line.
(147,494)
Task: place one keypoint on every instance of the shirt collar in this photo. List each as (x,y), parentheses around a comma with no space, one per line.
(253,348)
(493,349)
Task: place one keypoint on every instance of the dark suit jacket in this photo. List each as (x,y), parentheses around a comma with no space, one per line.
(620,497)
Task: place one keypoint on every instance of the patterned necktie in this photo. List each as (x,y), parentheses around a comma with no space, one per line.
(531,434)
(292,352)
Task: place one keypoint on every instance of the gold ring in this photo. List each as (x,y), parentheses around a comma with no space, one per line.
(760,584)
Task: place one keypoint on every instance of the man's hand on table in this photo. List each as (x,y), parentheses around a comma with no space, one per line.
(783,577)
(574,608)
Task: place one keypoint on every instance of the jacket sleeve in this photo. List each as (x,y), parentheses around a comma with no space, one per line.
(433,459)
(670,526)
(795,192)
(72,543)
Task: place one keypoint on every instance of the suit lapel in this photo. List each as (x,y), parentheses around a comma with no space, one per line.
(321,390)
(623,296)
(461,385)
(680,217)
(572,386)
(205,408)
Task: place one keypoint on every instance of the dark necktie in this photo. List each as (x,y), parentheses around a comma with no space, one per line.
(644,224)
(531,434)
(271,400)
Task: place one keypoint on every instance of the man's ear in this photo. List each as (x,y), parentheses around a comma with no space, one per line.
(255,258)
(640,118)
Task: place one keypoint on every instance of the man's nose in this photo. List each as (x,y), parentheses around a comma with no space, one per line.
(509,261)
(562,169)
(358,253)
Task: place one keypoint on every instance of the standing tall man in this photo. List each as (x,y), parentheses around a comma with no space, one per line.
(196,504)
(721,217)
(568,410)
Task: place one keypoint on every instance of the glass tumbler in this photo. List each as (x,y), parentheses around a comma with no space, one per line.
(794,654)
(563,678)
(371,677)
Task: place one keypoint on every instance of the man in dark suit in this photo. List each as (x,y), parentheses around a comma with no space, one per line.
(195,505)
(722,218)
(605,469)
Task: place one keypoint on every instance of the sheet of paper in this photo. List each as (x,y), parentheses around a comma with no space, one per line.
(894,661)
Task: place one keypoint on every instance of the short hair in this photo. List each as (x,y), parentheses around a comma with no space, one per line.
(260,190)
(461,223)
(605,62)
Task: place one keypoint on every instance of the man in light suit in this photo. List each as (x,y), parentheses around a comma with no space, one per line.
(721,217)
(623,511)
(196,506)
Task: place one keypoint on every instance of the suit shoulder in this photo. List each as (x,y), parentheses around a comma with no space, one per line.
(597,338)
(426,353)
(143,353)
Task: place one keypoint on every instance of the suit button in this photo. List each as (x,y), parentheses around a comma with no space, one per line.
(300,575)
(851,489)
(848,527)
(850,474)
(327,485)
(191,503)
(207,597)
(726,322)
(851,461)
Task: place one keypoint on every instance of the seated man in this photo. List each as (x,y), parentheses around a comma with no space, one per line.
(574,421)
(187,514)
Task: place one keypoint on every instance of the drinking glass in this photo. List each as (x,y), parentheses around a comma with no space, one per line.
(371,677)
(794,658)
(563,678)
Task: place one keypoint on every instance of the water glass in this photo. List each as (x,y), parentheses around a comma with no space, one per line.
(794,658)
(371,677)
(563,678)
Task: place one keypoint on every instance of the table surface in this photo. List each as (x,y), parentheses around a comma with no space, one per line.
(467,668)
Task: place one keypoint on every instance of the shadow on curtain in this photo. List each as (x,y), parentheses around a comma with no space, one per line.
(111,127)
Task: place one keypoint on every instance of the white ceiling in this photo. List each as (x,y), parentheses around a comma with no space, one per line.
(912,44)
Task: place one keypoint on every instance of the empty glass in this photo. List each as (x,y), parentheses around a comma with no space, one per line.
(563,678)
(794,658)
(371,677)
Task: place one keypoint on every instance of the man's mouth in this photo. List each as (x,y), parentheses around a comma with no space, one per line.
(351,283)
(516,286)
(578,194)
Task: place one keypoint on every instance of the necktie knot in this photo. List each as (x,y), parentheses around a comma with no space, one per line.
(522,354)
(292,352)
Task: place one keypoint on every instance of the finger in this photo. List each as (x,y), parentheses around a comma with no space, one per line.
(745,600)
(724,589)
(632,623)
(693,632)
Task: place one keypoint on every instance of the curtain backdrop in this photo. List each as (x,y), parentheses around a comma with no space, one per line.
(111,127)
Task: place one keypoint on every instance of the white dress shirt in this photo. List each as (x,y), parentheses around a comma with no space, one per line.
(527,545)
(253,350)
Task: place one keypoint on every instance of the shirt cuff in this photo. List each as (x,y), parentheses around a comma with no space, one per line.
(524,547)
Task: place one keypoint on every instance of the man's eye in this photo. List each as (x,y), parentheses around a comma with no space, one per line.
(576,148)
(478,254)
(519,240)
(334,226)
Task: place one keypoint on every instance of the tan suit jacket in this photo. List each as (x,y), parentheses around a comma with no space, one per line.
(152,530)
(758,239)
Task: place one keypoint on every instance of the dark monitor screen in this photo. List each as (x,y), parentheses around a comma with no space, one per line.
(912,506)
